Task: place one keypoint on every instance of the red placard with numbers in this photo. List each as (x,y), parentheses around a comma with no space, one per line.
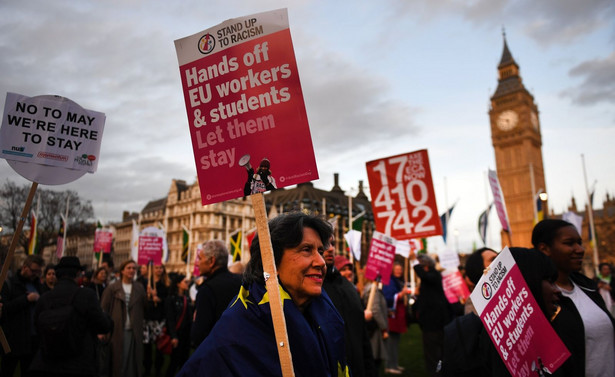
(403,198)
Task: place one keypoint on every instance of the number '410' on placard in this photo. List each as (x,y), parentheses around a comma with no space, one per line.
(403,198)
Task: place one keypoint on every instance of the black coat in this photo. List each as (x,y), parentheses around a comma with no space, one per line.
(17,314)
(433,309)
(569,326)
(173,307)
(212,299)
(347,301)
(93,322)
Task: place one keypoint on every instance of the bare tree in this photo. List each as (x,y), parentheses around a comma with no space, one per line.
(51,205)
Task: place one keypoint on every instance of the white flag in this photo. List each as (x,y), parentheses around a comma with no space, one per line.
(575,220)
(402,248)
(353,237)
(134,250)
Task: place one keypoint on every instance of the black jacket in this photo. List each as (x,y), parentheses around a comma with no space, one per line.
(433,309)
(569,326)
(347,301)
(212,299)
(17,314)
(93,322)
(173,307)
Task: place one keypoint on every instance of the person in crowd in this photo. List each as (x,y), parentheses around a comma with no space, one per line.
(348,303)
(377,324)
(157,289)
(343,265)
(395,294)
(433,311)
(85,277)
(88,322)
(606,284)
(243,341)
(260,181)
(142,274)
(49,278)
(539,274)
(20,293)
(216,292)
(474,268)
(108,264)
(99,282)
(125,302)
(584,323)
(178,315)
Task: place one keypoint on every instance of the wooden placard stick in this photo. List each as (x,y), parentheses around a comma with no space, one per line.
(372,293)
(9,256)
(272,285)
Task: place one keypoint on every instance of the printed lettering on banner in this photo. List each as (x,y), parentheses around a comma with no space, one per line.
(516,325)
(150,246)
(380,258)
(403,198)
(245,104)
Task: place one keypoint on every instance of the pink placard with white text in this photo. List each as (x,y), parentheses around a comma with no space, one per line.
(516,325)
(380,258)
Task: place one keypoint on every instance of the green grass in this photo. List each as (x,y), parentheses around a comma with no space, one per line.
(411,353)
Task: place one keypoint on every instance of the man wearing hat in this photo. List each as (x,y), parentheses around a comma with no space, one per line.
(89,320)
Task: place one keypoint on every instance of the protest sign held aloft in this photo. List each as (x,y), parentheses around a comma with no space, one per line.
(245,107)
(50,139)
(403,198)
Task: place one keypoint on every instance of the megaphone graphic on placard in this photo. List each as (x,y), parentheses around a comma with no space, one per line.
(245,161)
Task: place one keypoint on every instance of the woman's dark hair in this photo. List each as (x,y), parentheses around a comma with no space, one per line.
(475,264)
(286,231)
(546,231)
(49,267)
(175,278)
(535,267)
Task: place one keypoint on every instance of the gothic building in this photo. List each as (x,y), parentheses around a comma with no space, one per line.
(517,142)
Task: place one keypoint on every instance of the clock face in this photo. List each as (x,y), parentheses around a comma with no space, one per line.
(534,119)
(507,120)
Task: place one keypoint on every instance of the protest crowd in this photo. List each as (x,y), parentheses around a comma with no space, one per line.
(126,321)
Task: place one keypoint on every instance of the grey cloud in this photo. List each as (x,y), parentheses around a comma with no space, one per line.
(598,81)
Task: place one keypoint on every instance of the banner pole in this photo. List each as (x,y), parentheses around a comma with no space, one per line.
(272,285)
(11,252)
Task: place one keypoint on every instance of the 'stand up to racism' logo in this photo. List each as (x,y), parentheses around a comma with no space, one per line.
(207,44)
(486,290)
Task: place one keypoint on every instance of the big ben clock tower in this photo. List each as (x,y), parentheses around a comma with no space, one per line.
(517,142)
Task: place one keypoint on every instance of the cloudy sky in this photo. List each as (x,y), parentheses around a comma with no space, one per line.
(379,79)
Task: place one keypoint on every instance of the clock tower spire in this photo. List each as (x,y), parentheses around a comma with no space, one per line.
(517,143)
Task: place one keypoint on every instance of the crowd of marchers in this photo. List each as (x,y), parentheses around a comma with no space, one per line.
(62,321)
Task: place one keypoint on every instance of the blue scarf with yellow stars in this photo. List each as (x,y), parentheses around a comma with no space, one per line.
(243,343)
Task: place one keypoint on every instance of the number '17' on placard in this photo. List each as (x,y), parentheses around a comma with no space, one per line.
(403,198)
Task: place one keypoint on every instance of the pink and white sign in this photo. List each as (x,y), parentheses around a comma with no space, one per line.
(380,258)
(150,246)
(516,325)
(498,199)
(455,288)
(245,104)
(102,241)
